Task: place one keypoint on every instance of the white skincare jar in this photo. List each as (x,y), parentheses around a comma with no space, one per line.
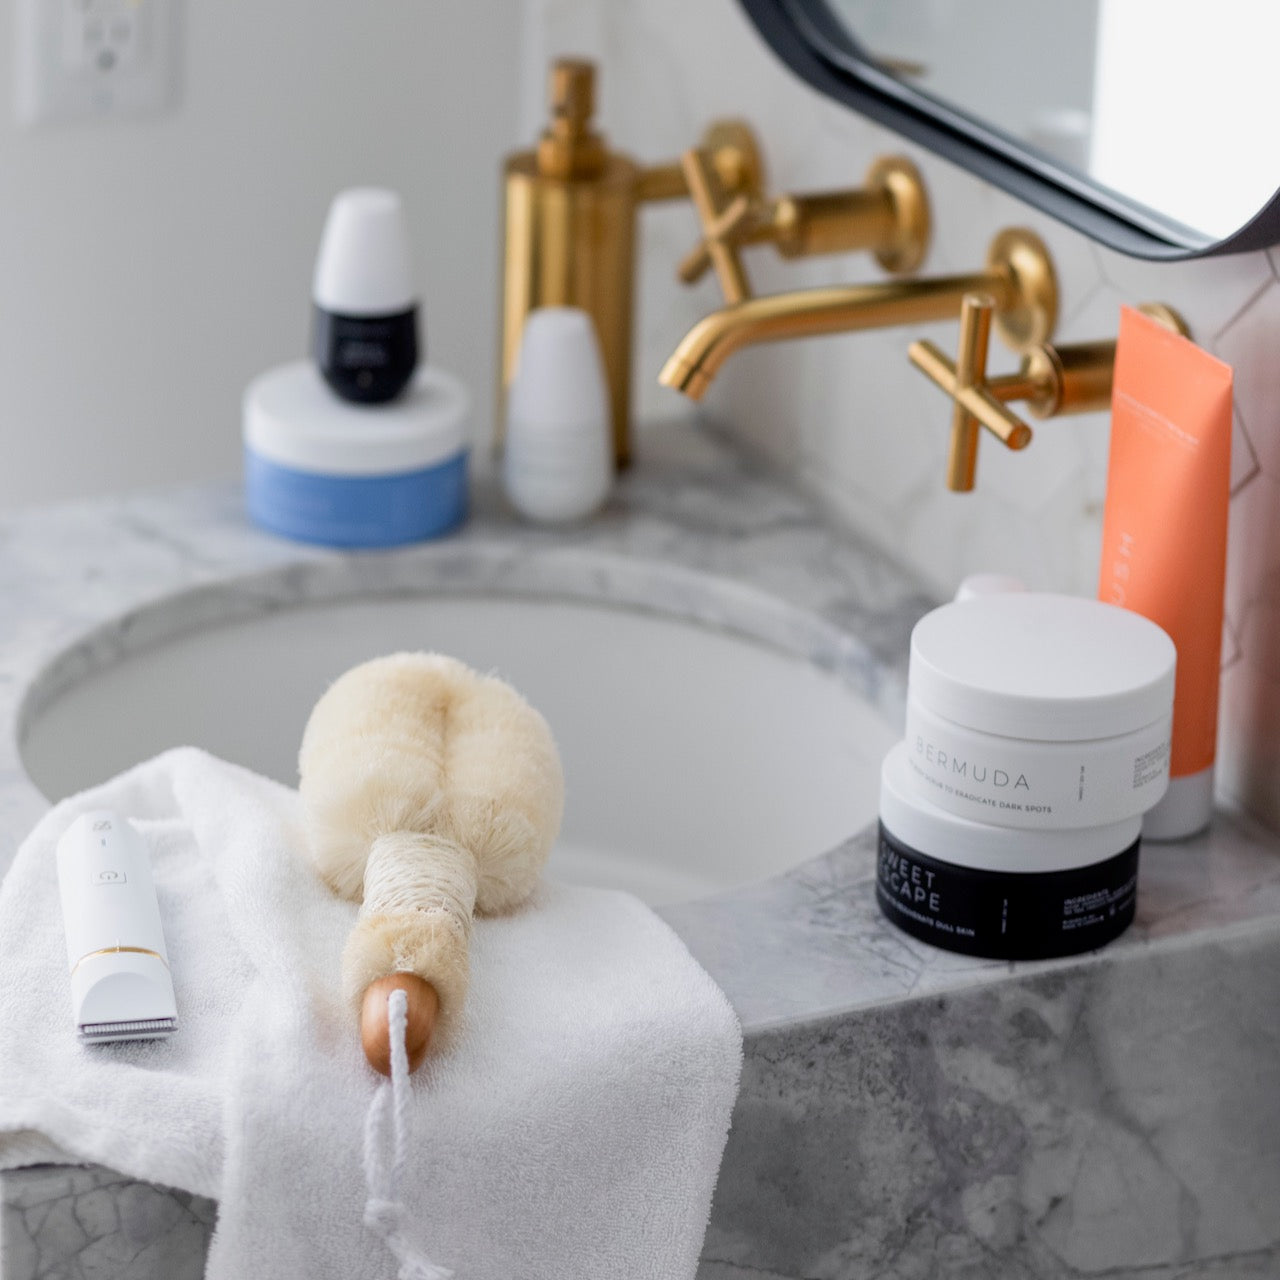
(1000,892)
(1039,711)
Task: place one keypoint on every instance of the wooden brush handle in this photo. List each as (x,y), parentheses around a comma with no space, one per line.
(422,1008)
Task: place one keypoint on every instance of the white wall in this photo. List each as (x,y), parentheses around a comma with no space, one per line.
(148,269)
(860,427)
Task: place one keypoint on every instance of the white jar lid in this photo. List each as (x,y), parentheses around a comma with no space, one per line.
(292,418)
(913,821)
(1050,668)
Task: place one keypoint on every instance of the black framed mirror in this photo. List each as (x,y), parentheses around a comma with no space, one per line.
(1114,116)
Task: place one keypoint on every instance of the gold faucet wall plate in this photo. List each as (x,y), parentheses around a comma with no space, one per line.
(1021,256)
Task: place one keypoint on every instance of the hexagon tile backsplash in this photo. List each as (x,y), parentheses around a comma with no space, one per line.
(850,417)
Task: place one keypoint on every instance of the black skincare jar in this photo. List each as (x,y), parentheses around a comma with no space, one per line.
(999,892)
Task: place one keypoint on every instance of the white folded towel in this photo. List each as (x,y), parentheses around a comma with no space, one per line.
(574,1129)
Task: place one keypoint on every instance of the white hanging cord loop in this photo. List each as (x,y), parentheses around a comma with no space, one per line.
(383,1212)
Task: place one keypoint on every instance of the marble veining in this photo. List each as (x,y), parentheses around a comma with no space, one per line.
(904,1111)
(1044,1127)
(85,1223)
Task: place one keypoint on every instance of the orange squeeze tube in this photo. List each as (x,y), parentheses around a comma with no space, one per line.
(1164,536)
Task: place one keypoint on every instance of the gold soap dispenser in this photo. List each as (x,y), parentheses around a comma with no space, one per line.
(569,228)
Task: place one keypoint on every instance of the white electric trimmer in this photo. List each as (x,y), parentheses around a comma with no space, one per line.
(121,988)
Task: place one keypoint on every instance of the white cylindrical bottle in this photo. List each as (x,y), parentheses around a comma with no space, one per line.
(558,459)
(977,585)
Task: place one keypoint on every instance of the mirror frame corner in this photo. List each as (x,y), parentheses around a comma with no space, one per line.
(803,35)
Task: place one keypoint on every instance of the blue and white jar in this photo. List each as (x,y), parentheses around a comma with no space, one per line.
(320,469)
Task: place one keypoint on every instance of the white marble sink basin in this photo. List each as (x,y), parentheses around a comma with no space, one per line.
(695,760)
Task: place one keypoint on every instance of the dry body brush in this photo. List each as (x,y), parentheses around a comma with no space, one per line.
(429,792)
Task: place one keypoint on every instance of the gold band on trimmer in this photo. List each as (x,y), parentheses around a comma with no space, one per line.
(119,951)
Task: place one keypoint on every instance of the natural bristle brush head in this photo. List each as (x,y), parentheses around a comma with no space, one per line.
(429,791)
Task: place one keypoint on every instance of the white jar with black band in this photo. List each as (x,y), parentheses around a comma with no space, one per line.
(1038,711)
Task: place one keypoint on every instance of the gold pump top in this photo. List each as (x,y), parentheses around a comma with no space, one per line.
(569,147)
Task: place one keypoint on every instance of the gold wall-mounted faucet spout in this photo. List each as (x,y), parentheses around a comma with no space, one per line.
(570,231)
(1051,381)
(1018,276)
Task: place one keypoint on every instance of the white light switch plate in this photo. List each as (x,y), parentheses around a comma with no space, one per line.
(81,59)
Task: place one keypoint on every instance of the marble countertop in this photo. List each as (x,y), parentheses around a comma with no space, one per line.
(695,530)
(898,1103)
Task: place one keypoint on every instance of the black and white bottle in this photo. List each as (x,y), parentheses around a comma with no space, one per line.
(365,320)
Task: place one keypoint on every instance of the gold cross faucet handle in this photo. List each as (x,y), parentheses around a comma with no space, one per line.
(965,381)
(888,215)
(1051,381)
(724,218)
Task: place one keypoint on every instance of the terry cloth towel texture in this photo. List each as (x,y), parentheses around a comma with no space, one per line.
(573,1129)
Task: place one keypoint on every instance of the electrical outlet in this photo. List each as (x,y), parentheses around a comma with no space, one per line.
(81,59)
